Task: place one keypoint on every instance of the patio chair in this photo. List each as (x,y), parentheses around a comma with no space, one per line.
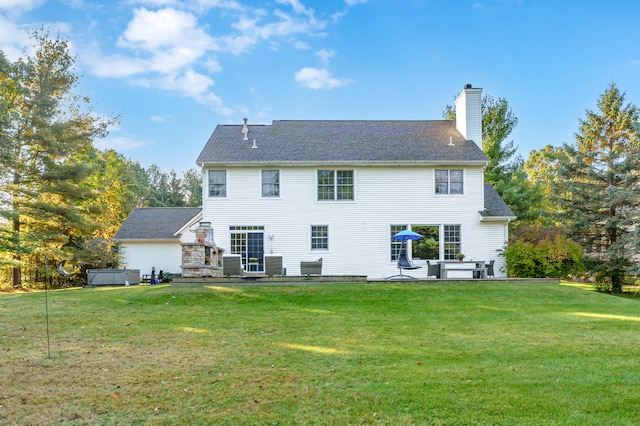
(404,263)
(311,267)
(433,270)
(273,265)
(490,266)
(231,265)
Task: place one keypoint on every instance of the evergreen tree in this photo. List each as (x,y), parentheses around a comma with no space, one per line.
(168,190)
(8,95)
(598,189)
(50,124)
(192,187)
(165,190)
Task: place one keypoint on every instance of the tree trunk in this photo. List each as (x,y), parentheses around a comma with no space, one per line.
(617,279)
(16,275)
(16,272)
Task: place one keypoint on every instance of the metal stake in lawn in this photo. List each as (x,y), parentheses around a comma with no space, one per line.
(46,303)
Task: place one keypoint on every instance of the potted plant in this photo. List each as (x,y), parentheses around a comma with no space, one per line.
(460,257)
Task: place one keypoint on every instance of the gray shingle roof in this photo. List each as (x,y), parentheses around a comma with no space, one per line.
(341,142)
(155,223)
(494,205)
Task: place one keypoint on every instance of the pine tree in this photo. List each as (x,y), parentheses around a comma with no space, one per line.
(598,189)
(48,126)
(192,187)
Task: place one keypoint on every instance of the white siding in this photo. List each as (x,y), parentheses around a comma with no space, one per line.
(358,230)
(469,114)
(165,256)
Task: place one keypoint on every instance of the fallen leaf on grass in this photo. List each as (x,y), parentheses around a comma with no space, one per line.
(114,396)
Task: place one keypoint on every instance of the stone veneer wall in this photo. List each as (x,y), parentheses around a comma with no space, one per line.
(195,265)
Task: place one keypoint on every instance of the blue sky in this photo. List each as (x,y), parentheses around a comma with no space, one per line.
(175,69)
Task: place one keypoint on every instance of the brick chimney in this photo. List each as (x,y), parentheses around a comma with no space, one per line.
(469,114)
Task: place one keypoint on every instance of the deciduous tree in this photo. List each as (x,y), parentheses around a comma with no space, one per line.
(541,169)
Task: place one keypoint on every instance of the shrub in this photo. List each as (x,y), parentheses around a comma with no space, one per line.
(542,252)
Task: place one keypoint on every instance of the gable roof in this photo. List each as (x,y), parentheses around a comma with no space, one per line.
(346,141)
(156,223)
(494,205)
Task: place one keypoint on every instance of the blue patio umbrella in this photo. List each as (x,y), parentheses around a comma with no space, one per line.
(407,235)
(403,260)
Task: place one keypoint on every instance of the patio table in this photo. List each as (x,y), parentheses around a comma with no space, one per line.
(459,266)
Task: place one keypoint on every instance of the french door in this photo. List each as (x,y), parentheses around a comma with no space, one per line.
(248,242)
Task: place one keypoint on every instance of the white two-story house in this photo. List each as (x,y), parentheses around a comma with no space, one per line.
(338,190)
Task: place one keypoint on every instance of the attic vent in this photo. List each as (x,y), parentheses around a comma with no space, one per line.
(245,129)
(451,141)
(254,144)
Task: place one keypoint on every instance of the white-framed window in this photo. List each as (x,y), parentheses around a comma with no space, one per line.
(451,241)
(319,237)
(396,245)
(449,181)
(271,183)
(427,247)
(335,185)
(218,183)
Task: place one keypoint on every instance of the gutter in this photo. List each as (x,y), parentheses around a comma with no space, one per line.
(476,163)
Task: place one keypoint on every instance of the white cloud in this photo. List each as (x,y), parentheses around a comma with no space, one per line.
(317,78)
(116,66)
(227,4)
(154,3)
(320,78)
(22,5)
(196,5)
(121,143)
(191,83)
(251,30)
(297,7)
(158,119)
(13,39)
(348,4)
(212,65)
(325,56)
(165,46)
(237,44)
(164,28)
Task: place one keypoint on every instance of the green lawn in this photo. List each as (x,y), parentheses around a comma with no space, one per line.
(427,354)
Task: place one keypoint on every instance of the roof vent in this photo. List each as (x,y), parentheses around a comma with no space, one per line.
(245,129)
(451,141)
(468,86)
(254,144)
